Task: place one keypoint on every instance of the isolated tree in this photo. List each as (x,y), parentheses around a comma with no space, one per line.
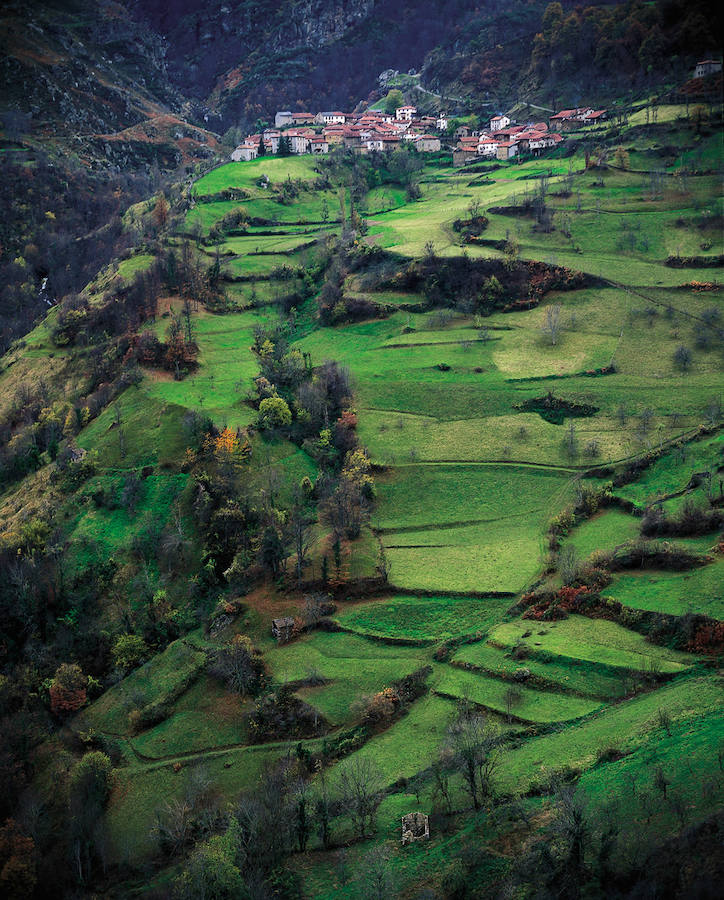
(683,358)
(274,412)
(513,697)
(360,784)
(88,791)
(570,441)
(261,149)
(238,665)
(160,212)
(69,689)
(474,746)
(552,323)
(129,651)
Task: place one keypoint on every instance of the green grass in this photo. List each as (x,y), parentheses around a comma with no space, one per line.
(675,593)
(673,471)
(161,677)
(591,640)
(207,716)
(411,743)
(355,668)
(245,174)
(531,704)
(152,432)
(604,531)
(574,675)
(463,494)
(626,726)
(421,618)
(99,533)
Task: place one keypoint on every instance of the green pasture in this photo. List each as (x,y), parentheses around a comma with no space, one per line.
(591,640)
(421,618)
(150,432)
(530,704)
(462,494)
(500,556)
(206,717)
(625,726)
(245,174)
(224,377)
(410,744)
(604,531)
(353,667)
(673,471)
(700,590)
(575,675)
(99,532)
(160,678)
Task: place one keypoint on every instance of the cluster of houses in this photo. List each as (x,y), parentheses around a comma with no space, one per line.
(371,130)
(375,130)
(503,140)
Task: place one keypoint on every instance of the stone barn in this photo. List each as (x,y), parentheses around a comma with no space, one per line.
(415,827)
(283,628)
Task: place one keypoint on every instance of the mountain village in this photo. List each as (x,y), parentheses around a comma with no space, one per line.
(376,130)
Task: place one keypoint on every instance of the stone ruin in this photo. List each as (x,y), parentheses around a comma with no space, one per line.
(415,827)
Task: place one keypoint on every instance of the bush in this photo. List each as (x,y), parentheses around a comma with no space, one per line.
(274,412)
(129,651)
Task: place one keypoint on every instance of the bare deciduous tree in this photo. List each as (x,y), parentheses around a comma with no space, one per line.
(552,323)
(475,747)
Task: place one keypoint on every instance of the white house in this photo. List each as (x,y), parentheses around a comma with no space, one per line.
(299,139)
(283,118)
(331,118)
(441,123)
(487,146)
(271,140)
(707,67)
(246,152)
(405,113)
(498,122)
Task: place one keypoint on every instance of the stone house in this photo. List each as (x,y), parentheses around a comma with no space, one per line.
(318,144)
(427,143)
(415,827)
(507,150)
(283,118)
(441,123)
(282,629)
(245,152)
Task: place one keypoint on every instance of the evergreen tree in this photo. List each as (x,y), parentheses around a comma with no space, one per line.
(262,148)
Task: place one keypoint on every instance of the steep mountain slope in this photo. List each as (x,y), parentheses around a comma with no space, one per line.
(86,79)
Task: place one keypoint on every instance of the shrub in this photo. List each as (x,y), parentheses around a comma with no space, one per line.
(129,651)
(274,412)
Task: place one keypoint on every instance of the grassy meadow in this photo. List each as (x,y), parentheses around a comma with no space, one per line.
(466,486)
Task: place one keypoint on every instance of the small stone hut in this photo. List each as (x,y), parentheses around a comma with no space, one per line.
(282,628)
(415,827)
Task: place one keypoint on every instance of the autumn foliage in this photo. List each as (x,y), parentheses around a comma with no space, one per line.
(68,692)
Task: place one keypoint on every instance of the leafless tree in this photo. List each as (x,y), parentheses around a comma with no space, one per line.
(360,784)
(552,324)
(475,747)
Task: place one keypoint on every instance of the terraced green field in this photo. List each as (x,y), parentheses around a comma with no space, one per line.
(591,640)
(466,486)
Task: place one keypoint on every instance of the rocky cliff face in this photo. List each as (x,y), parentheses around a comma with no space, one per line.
(82,70)
(243,60)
